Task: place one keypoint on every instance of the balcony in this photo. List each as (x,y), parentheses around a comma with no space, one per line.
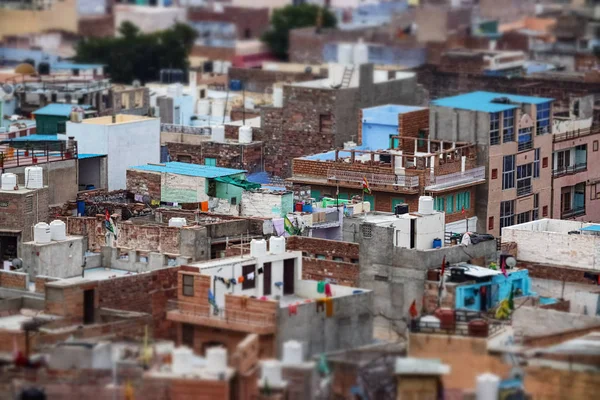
(524,190)
(574,134)
(49,153)
(569,170)
(410,182)
(573,212)
(470,176)
(528,145)
(205,315)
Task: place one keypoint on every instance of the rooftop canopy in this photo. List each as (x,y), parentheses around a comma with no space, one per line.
(180,168)
(488,101)
(59,110)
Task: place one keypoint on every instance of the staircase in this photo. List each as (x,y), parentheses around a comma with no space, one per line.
(347,77)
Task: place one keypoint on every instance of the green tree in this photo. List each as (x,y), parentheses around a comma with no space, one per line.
(136,55)
(291,17)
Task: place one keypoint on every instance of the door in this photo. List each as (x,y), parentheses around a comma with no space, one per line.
(267,279)
(396,202)
(88,306)
(187,335)
(288,276)
(371,199)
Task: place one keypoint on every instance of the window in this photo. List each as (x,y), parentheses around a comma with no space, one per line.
(525,139)
(439,204)
(543,118)
(320,256)
(188,285)
(536,164)
(595,191)
(495,173)
(490,223)
(535,214)
(338,259)
(233,201)
(247,33)
(139,98)
(124,101)
(523,217)
(595,145)
(545,162)
(212,162)
(576,108)
(508,173)
(248,283)
(449,204)
(508,131)
(524,173)
(545,211)
(325,123)
(421,142)
(463,200)
(367,231)
(354,261)
(61,127)
(184,158)
(494,128)
(507,213)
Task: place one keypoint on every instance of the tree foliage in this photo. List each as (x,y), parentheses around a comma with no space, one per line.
(135,55)
(291,17)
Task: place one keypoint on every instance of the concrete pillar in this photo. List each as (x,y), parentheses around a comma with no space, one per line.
(416,143)
(463,163)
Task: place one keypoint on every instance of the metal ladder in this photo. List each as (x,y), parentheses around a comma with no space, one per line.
(347,77)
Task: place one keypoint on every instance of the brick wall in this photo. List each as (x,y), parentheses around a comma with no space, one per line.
(162,239)
(337,272)
(554,272)
(20,211)
(40,283)
(554,383)
(214,53)
(239,114)
(148,293)
(96,26)
(14,280)
(261,80)
(430,297)
(90,227)
(144,183)
(318,169)
(228,155)
(330,248)
(409,126)
(249,22)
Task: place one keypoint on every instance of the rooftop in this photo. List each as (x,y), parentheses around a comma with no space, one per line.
(179,168)
(69,65)
(387,114)
(484,101)
(119,119)
(59,110)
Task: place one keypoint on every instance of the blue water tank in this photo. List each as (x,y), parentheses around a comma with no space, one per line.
(235,85)
(437,243)
(307,208)
(81,207)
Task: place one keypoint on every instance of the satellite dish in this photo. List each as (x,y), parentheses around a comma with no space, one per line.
(511,262)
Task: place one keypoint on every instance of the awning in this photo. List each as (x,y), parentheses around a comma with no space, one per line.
(244,184)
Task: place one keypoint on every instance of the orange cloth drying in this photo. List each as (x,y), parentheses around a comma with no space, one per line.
(204,206)
(329,307)
(241,279)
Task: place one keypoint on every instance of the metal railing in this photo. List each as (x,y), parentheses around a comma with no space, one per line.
(458,178)
(210,314)
(21,157)
(569,170)
(559,137)
(523,190)
(525,145)
(573,212)
(375,179)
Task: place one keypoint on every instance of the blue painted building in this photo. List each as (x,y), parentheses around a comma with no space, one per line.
(489,287)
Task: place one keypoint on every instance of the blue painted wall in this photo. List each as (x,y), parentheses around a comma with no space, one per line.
(516,280)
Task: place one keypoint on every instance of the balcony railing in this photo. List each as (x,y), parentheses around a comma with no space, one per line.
(21,157)
(573,212)
(375,179)
(456,179)
(569,170)
(576,133)
(524,190)
(187,129)
(202,314)
(525,145)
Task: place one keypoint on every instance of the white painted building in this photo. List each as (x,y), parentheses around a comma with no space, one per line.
(556,242)
(129,140)
(266,203)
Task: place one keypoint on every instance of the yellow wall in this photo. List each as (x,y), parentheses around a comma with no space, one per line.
(62,15)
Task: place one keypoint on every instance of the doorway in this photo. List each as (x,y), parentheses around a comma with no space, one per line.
(88,306)
(288,276)
(267,279)
(8,248)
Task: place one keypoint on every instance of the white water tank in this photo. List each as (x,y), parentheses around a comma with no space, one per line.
(34,177)
(345,53)
(277,244)
(277,96)
(249,103)
(487,387)
(271,373)
(203,107)
(41,233)
(58,230)
(218,134)
(9,181)
(426,205)
(258,248)
(292,352)
(361,53)
(245,134)
(177,222)
(216,358)
(429,321)
(218,108)
(182,361)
